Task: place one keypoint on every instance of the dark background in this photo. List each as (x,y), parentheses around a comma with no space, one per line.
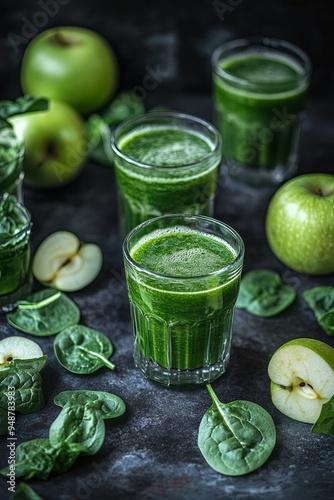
(153,453)
(178,36)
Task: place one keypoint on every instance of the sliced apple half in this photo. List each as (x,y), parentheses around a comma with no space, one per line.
(62,261)
(16,347)
(302,378)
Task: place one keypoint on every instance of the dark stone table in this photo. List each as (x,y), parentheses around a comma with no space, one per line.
(152,452)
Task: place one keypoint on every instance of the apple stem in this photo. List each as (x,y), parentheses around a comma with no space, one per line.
(61,39)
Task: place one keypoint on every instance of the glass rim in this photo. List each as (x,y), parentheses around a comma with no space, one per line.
(27,226)
(171,115)
(237,262)
(266,42)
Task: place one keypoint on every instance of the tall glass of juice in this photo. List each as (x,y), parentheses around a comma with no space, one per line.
(165,163)
(15,252)
(183,274)
(259,90)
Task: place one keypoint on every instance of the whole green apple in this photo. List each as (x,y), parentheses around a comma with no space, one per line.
(70,64)
(55,143)
(300,223)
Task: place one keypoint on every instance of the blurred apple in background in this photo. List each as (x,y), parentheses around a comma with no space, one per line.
(70,64)
(300,223)
(55,145)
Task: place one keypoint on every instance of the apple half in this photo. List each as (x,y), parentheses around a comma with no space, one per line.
(63,262)
(302,378)
(16,347)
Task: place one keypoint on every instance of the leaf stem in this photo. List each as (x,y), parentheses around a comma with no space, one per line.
(38,305)
(105,361)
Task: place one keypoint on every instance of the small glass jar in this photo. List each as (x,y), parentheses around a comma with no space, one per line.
(11,164)
(15,252)
(260,88)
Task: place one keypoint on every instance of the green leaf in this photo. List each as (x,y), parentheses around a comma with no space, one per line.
(82,350)
(100,126)
(80,423)
(236,438)
(107,405)
(66,455)
(44,313)
(321,300)
(79,427)
(28,390)
(325,422)
(34,458)
(262,293)
(25,492)
(10,154)
(23,104)
(34,364)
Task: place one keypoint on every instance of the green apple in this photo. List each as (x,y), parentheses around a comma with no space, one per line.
(70,64)
(16,347)
(55,143)
(300,223)
(62,261)
(302,378)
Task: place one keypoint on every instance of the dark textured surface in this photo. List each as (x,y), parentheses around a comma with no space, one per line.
(152,452)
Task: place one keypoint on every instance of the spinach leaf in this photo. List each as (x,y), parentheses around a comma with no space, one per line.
(236,438)
(78,429)
(34,364)
(107,405)
(28,390)
(25,492)
(82,350)
(44,313)
(321,300)
(100,126)
(78,425)
(262,293)
(325,422)
(23,104)
(65,456)
(38,458)
(34,458)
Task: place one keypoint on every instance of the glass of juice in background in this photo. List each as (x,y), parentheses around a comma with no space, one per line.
(183,274)
(165,163)
(11,163)
(15,252)
(259,90)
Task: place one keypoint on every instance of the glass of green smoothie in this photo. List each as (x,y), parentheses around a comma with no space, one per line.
(11,163)
(259,90)
(15,252)
(183,274)
(165,163)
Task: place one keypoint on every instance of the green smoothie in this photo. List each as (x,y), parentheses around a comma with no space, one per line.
(259,96)
(15,269)
(183,305)
(165,169)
